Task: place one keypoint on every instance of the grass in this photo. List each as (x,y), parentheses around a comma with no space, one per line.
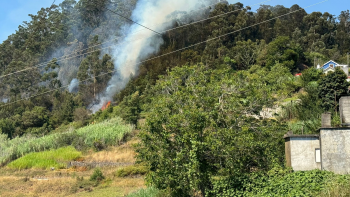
(132,171)
(149,192)
(47,159)
(107,133)
(122,154)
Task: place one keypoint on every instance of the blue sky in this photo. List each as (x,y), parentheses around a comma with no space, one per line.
(332,6)
(14,12)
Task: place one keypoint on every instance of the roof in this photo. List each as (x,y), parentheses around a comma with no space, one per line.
(326,65)
(291,135)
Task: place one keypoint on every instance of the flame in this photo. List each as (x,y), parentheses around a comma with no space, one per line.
(106,106)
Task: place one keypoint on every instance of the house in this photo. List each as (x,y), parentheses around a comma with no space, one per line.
(329,150)
(331,65)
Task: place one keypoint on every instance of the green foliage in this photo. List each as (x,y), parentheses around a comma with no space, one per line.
(200,125)
(331,88)
(97,175)
(109,133)
(149,192)
(132,171)
(46,159)
(277,182)
(281,50)
(311,75)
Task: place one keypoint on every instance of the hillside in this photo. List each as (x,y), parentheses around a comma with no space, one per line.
(186,82)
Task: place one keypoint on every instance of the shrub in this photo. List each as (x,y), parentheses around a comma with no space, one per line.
(97,175)
(276,182)
(149,192)
(131,171)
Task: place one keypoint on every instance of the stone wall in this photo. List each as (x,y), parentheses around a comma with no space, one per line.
(335,153)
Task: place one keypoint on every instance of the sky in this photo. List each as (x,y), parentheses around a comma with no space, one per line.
(14,12)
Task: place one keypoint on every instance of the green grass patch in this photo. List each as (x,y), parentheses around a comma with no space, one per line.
(132,171)
(149,192)
(47,159)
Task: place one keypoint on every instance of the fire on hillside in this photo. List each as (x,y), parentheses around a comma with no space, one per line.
(106,105)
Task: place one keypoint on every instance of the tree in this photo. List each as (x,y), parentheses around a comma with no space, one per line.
(331,88)
(51,75)
(281,50)
(94,73)
(246,53)
(200,125)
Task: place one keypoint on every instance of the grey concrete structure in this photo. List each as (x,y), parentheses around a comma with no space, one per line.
(326,120)
(301,152)
(344,108)
(335,149)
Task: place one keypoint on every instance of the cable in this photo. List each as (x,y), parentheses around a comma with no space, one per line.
(63,58)
(133,21)
(174,51)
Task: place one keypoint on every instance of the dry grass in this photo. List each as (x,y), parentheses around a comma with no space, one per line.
(15,186)
(121,154)
(59,183)
(61,186)
(129,185)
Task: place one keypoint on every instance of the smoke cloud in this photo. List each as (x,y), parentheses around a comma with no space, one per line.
(73,86)
(141,43)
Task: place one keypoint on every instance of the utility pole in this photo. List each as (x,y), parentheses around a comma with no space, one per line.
(335,102)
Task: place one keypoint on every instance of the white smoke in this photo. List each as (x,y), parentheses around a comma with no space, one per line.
(141,43)
(73,86)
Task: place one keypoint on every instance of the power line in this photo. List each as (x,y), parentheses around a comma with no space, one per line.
(150,59)
(64,58)
(132,21)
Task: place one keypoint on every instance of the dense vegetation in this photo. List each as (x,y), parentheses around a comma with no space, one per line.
(97,136)
(206,133)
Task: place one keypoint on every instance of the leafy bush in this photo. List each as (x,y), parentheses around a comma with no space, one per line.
(97,175)
(149,192)
(109,132)
(44,160)
(276,182)
(132,170)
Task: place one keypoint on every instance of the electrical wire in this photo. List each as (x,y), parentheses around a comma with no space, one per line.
(66,57)
(150,59)
(133,21)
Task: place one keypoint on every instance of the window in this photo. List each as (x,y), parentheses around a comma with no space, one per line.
(318,155)
(331,65)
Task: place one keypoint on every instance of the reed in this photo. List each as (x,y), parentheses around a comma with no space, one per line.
(109,132)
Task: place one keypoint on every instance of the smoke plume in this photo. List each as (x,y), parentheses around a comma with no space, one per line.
(73,86)
(141,43)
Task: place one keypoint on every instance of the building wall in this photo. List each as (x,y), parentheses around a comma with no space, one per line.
(335,152)
(302,153)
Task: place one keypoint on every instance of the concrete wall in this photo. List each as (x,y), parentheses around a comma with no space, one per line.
(302,153)
(335,152)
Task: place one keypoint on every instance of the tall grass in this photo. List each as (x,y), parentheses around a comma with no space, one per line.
(44,160)
(109,132)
